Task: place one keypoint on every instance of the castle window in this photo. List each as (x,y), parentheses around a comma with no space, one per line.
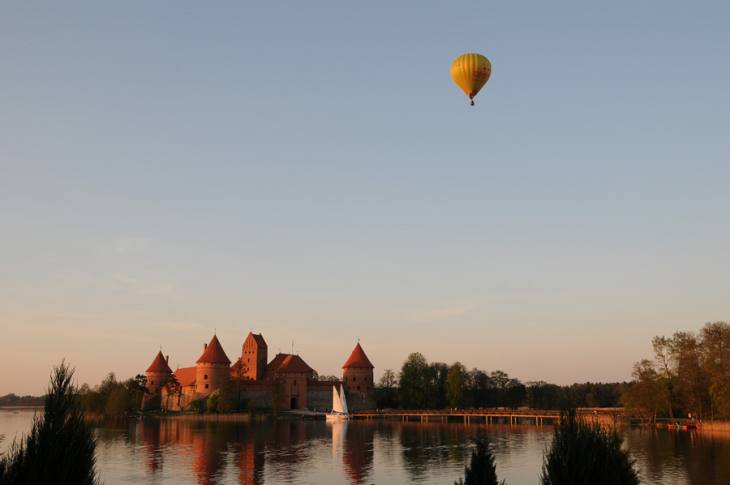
(152,382)
(206,386)
(206,378)
(354,379)
(358,388)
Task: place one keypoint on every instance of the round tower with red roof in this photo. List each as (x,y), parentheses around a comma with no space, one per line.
(157,373)
(212,368)
(357,378)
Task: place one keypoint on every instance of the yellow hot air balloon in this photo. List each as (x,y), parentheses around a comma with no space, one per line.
(471,72)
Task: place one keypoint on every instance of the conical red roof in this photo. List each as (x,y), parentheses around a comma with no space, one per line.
(358,359)
(213,353)
(159,365)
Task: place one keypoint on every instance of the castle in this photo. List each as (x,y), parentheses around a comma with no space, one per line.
(285,383)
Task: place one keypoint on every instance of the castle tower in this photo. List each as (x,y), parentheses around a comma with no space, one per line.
(254,356)
(211,368)
(357,378)
(158,373)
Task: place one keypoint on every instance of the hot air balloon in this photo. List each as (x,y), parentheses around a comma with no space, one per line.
(471,72)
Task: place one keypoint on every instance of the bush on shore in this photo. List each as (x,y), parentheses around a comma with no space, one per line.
(582,454)
(60,447)
(481,469)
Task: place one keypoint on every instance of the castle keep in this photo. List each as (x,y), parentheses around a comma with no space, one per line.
(286,382)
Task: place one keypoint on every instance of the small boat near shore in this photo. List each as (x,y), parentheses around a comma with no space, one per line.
(339,406)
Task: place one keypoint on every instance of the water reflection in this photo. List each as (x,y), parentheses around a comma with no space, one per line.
(358,454)
(681,457)
(181,451)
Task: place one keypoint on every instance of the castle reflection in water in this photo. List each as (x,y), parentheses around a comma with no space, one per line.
(208,448)
(191,451)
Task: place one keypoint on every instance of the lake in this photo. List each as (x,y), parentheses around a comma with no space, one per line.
(176,451)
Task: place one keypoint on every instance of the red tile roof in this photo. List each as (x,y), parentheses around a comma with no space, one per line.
(159,365)
(213,353)
(288,363)
(185,376)
(275,363)
(260,342)
(358,359)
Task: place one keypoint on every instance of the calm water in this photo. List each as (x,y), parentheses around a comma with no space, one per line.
(312,452)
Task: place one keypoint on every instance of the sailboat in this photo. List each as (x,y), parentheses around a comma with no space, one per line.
(339,406)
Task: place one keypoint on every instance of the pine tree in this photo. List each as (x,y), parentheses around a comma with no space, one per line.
(481,470)
(583,454)
(60,447)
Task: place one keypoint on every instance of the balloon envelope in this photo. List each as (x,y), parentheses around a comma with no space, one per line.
(471,72)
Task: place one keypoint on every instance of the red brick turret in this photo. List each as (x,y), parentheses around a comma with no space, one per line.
(357,378)
(212,368)
(157,373)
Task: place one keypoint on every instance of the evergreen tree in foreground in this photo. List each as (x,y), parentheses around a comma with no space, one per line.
(60,447)
(481,470)
(583,454)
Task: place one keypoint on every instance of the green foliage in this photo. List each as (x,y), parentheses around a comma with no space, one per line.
(582,454)
(112,398)
(646,395)
(60,447)
(386,392)
(152,403)
(434,386)
(455,385)
(436,382)
(690,374)
(13,400)
(198,405)
(414,382)
(481,469)
(212,405)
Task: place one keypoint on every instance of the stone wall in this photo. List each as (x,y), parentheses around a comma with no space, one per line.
(257,395)
(319,397)
(358,401)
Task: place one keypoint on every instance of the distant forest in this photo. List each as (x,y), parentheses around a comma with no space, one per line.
(688,377)
(436,385)
(12,400)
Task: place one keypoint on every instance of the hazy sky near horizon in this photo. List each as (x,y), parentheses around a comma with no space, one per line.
(308,170)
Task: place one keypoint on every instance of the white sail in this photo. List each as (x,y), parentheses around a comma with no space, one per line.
(344,400)
(336,402)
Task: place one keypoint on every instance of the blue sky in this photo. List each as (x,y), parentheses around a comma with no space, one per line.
(310,171)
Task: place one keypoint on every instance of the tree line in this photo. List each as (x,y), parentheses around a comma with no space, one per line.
(688,376)
(15,400)
(436,385)
(113,398)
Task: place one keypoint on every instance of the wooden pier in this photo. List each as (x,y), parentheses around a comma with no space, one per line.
(603,416)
